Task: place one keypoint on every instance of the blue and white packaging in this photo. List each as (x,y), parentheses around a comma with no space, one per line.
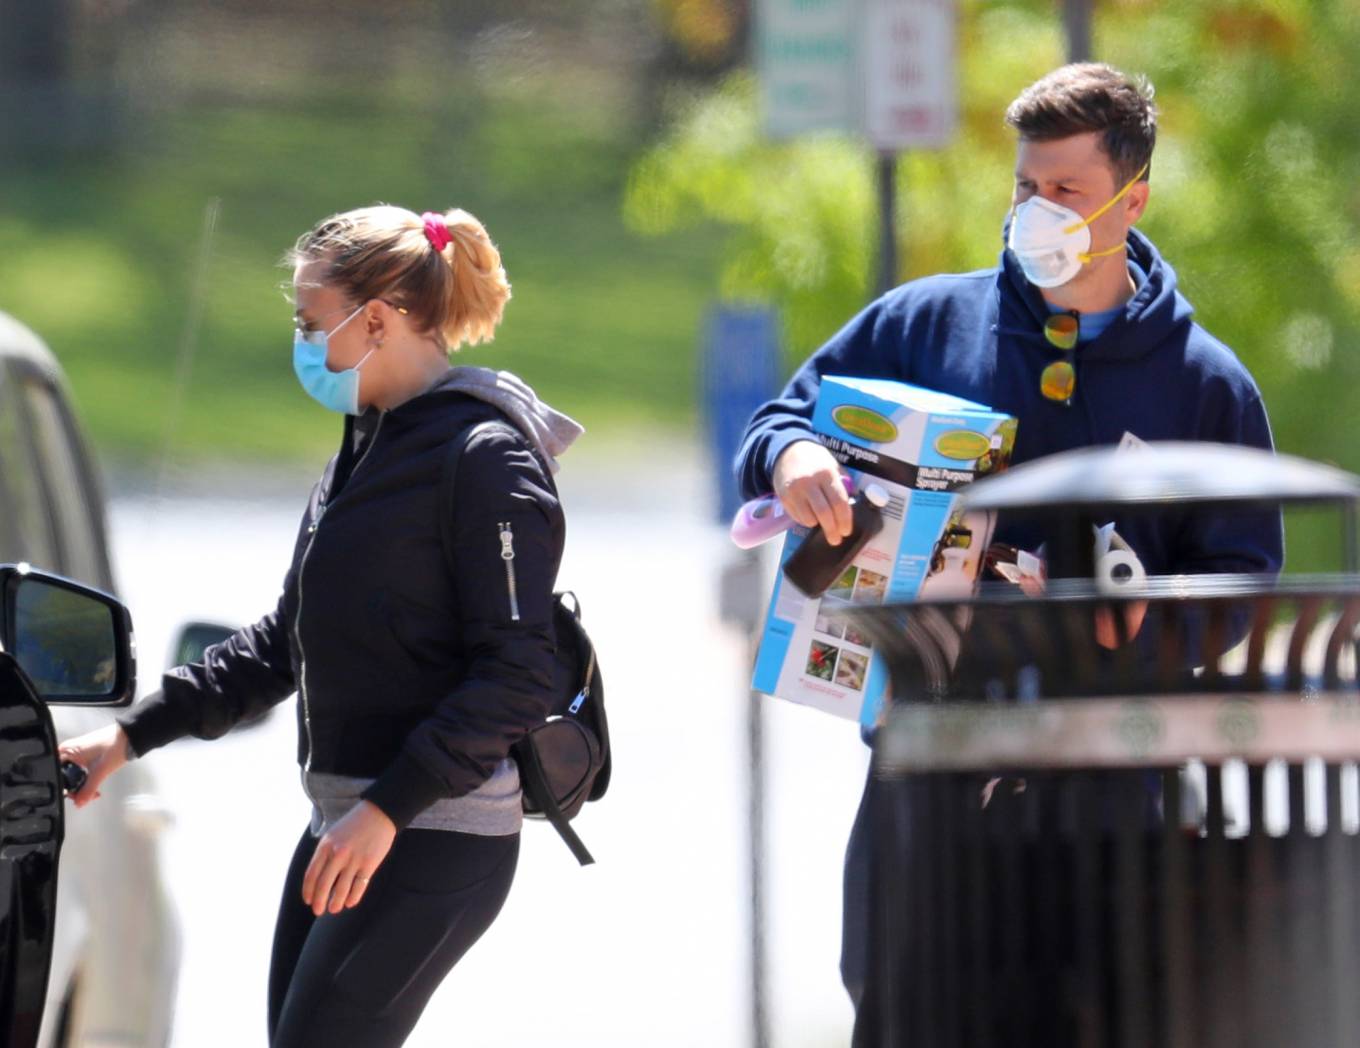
(922,447)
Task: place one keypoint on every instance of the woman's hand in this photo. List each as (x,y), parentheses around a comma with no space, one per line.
(347,856)
(100,753)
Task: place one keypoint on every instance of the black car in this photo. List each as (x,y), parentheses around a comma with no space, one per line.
(60,643)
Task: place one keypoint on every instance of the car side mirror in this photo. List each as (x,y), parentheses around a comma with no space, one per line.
(72,641)
(194,638)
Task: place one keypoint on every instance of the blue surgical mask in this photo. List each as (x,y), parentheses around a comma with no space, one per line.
(337,390)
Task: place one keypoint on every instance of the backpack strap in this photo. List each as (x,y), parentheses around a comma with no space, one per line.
(535,783)
(532,778)
(592,689)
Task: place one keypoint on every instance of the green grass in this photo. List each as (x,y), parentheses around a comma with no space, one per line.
(98,256)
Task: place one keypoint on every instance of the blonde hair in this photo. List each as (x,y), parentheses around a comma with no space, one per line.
(457,294)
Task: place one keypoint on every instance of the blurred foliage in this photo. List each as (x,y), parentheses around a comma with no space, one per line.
(1256,189)
(521,124)
(706,33)
(802,210)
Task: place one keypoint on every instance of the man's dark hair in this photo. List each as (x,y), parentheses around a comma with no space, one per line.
(1091,96)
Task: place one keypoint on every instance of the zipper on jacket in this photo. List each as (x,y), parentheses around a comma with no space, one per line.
(302,567)
(507,536)
(584,694)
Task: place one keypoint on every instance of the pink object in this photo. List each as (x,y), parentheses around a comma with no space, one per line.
(758,521)
(436,232)
(763,518)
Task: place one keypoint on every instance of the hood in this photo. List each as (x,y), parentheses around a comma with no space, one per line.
(1155,311)
(550,431)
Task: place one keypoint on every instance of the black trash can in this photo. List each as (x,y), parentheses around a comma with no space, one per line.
(1153,846)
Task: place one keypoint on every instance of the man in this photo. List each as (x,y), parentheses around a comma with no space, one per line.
(1079,333)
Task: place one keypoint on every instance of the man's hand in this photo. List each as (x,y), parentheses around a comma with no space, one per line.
(1106,634)
(807,480)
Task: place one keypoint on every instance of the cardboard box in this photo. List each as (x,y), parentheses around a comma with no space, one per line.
(922,447)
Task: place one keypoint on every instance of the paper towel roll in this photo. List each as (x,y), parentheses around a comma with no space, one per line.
(1118,570)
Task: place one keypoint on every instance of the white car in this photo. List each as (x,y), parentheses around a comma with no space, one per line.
(115,950)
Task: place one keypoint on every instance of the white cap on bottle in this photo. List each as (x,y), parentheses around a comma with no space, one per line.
(876,494)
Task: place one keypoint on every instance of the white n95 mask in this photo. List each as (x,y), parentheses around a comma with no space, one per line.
(1052,242)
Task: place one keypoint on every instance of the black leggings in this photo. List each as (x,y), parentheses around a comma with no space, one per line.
(361,978)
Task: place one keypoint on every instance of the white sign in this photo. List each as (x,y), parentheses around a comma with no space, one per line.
(910,83)
(806,58)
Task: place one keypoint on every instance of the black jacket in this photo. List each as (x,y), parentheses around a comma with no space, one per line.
(397,627)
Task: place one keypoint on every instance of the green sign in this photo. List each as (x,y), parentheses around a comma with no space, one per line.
(806,57)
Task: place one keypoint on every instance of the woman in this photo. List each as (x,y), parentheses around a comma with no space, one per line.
(415,626)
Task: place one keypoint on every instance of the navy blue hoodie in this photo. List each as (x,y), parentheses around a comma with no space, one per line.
(1153,372)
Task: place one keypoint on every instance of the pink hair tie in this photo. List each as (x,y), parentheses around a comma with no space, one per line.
(436,231)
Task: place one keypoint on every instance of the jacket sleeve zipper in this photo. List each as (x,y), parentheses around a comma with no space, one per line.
(507,536)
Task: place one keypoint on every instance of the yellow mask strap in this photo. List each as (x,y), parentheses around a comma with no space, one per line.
(1107,205)
(1086,256)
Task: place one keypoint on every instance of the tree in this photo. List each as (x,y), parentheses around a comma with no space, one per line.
(1255,195)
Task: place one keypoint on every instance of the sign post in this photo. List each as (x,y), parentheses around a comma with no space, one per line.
(885,70)
(1077,24)
(910,97)
(740,373)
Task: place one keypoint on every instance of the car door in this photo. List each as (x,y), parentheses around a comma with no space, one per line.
(60,643)
(31,828)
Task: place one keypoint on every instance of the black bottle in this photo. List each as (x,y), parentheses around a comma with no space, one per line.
(816,564)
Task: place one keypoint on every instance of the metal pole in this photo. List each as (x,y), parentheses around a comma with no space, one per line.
(755,743)
(887,210)
(1077,23)
(743,580)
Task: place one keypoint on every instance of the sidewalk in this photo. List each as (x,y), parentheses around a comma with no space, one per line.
(657,932)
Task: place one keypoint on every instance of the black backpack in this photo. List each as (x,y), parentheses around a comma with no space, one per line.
(566,760)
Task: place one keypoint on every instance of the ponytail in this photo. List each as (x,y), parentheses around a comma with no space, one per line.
(443,269)
(479,289)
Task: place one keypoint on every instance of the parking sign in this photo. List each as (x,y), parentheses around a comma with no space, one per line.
(911,90)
